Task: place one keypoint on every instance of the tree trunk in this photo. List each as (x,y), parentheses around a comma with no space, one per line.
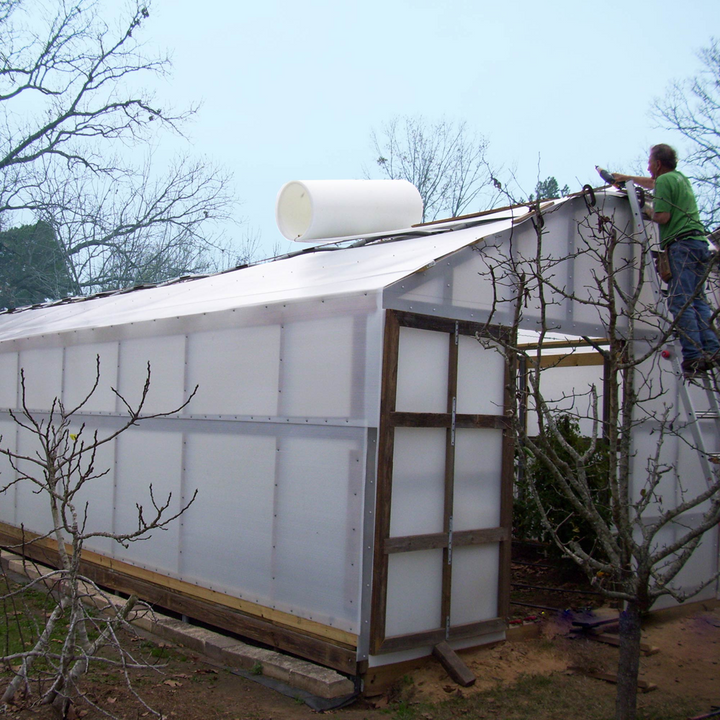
(628,663)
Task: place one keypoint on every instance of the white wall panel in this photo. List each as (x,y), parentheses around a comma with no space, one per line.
(166,356)
(144,458)
(8,380)
(422,371)
(43,376)
(80,369)
(481,378)
(33,509)
(430,290)
(7,473)
(317,367)
(237,371)
(99,494)
(316,565)
(414,592)
(418,487)
(227,533)
(471,284)
(478,466)
(474,584)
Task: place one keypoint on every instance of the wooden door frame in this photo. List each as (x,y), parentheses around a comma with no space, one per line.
(446,540)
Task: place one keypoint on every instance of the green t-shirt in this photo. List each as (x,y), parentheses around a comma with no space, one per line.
(673,194)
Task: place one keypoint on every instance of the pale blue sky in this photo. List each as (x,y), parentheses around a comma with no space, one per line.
(291,91)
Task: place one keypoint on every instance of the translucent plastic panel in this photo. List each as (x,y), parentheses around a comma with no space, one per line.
(43,376)
(237,371)
(475,573)
(99,495)
(166,356)
(431,291)
(478,466)
(317,368)
(144,458)
(80,369)
(7,474)
(422,371)
(481,378)
(8,380)
(33,508)
(227,533)
(414,592)
(316,564)
(472,284)
(418,484)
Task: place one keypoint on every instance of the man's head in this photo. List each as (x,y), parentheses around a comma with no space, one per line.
(662,159)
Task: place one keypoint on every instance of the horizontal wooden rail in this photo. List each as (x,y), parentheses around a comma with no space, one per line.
(434,541)
(433,637)
(444,420)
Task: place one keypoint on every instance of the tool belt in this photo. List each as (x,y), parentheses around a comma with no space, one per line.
(662,265)
(687,235)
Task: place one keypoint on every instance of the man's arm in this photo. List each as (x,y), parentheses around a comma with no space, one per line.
(646,182)
(661,218)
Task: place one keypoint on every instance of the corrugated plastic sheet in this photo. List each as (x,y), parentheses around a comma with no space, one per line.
(323,273)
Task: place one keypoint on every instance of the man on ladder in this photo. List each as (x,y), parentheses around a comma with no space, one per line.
(682,235)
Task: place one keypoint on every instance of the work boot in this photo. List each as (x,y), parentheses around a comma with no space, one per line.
(694,366)
(712,360)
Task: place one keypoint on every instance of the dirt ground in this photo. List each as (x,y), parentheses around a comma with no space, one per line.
(190,687)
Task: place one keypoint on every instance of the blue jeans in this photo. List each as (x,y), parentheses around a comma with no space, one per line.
(688,263)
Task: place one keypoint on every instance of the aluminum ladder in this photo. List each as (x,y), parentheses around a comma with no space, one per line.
(694,416)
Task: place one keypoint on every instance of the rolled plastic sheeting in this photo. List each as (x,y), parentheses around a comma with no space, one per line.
(309,210)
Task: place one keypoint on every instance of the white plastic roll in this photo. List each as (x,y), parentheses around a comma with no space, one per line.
(308,210)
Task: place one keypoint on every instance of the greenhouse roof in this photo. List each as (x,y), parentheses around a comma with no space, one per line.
(346,266)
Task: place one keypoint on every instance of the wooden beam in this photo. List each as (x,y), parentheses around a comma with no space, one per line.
(386,446)
(430,638)
(562,344)
(571,360)
(453,665)
(643,685)
(444,420)
(435,541)
(478,629)
(507,477)
(449,478)
(482,536)
(439,324)
(165,593)
(44,550)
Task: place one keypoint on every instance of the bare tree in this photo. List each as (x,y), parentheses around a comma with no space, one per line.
(444,160)
(71,148)
(60,470)
(646,519)
(692,108)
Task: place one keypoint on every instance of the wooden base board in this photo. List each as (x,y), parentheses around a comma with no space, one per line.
(306,639)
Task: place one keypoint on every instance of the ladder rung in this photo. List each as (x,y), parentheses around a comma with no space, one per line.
(707,415)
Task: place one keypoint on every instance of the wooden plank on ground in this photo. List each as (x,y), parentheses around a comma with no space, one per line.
(614,640)
(453,665)
(643,685)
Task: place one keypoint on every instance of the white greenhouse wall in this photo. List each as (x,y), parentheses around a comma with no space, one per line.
(274,441)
